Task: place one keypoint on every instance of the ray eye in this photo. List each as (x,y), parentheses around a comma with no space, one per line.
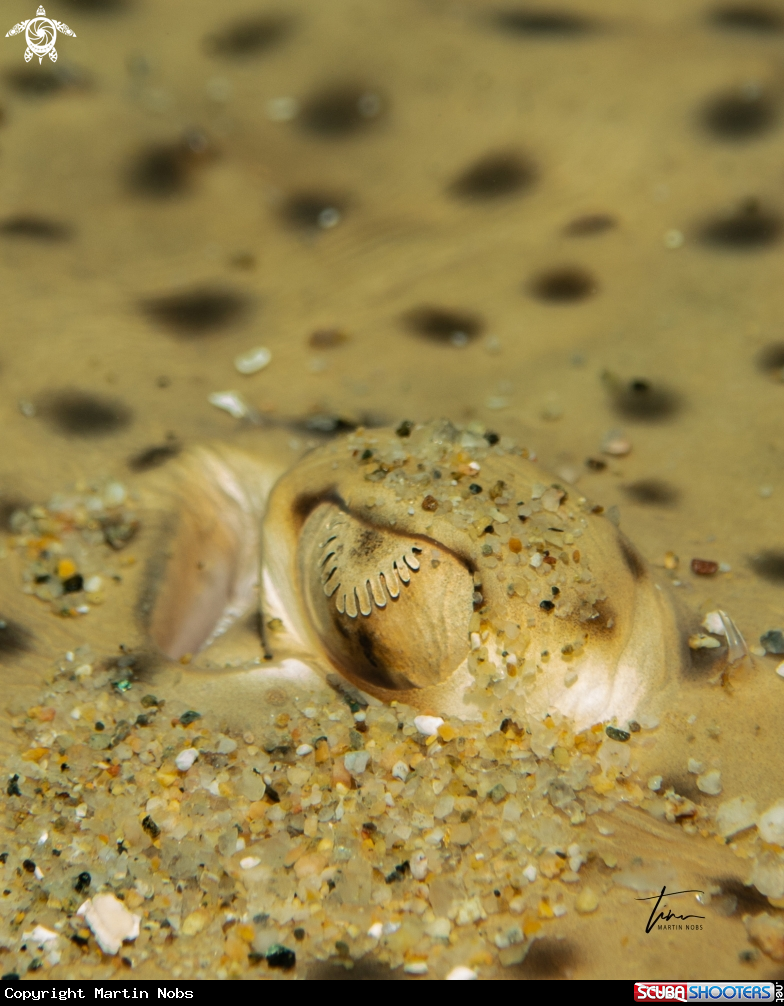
(385,616)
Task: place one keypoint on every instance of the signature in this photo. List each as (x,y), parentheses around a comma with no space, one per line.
(653,918)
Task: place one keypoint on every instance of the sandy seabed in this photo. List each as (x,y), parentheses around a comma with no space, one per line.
(561,225)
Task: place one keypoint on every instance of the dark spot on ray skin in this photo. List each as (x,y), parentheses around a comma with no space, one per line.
(547,958)
(652,492)
(444,325)
(14,639)
(603,620)
(538,22)
(493,176)
(44,81)
(313,210)
(141,667)
(590,225)
(769,565)
(739,115)
(770,359)
(197,312)
(35,228)
(738,899)
(340,110)
(155,456)
(81,414)
(166,169)
(702,663)
(564,285)
(683,785)
(632,559)
(362,971)
(643,400)
(9,504)
(752,17)
(251,36)
(748,228)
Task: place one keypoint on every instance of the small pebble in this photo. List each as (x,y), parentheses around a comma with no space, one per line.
(305,749)
(773,641)
(376,931)
(419,866)
(704,567)
(616,444)
(695,767)
(780,669)
(428,725)
(616,734)
(186,758)
(654,783)
(252,361)
(400,771)
(249,862)
(416,967)
(587,901)
(356,761)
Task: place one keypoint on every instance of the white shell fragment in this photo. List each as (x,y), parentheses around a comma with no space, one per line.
(186,758)
(419,866)
(231,402)
(110,921)
(40,936)
(713,623)
(428,725)
(710,782)
(249,862)
(253,361)
(771,824)
(736,815)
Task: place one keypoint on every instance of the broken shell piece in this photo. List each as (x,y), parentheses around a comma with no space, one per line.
(231,402)
(110,921)
(699,641)
(40,936)
(616,444)
(710,782)
(771,824)
(736,815)
(735,641)
(713,623)
(253,361)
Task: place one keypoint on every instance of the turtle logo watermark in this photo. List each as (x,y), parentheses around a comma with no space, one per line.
(40,33)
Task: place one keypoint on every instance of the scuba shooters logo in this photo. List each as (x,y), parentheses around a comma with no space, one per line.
(709,991)
(40,34)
